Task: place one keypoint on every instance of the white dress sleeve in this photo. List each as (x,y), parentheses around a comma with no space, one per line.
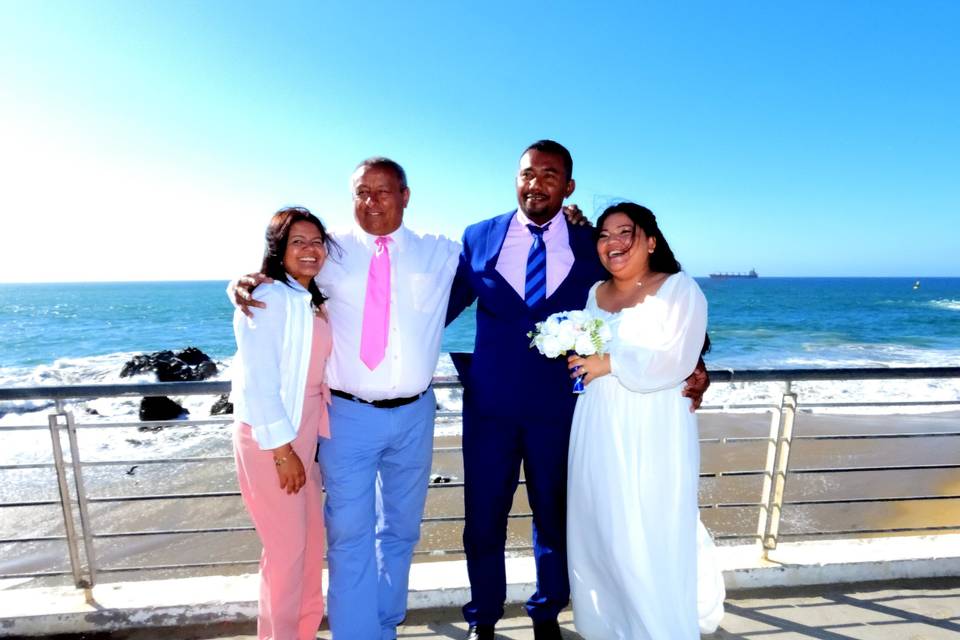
(658,343)
(259,345)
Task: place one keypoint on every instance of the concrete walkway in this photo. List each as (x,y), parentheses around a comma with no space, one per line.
(907,610)
(915,595)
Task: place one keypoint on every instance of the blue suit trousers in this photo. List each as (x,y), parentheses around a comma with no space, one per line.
(494,449)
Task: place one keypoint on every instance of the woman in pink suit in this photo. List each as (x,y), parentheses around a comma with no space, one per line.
(281,408)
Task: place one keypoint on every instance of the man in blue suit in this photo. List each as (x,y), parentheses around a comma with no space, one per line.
(520,267)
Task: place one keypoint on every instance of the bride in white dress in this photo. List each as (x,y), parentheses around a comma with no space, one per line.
(635,544)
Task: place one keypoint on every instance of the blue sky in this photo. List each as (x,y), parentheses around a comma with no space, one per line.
(152,140)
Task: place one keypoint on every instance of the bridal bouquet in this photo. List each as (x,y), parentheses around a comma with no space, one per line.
(576,331)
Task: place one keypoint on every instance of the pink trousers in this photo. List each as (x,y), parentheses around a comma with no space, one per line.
(291,530)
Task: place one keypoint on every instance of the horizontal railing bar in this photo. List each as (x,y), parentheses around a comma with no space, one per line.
(843,532)
(145,461)
(36,574)
(746,405)
(169,532)
(730,505)
(892,467)
(851,373)
(459,518)
(34,539)
(732,474)
(853,436)
(734,439)
(826,405)
(87,391)
(154,424)
(25,427)
(220,494)
(878,403)
(37,465)
(66,392)
(866,500)
(30,503)
(879,436)
(440,519)
(164,496)
(735,536)
(187,565)
(453,484)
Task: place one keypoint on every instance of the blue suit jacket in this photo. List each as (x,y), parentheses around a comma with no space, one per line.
(505,376)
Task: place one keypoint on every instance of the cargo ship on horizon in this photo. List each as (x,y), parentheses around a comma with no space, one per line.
(725,276)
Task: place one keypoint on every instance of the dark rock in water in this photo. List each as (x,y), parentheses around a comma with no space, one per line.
(160,408)
(222,407)
(182,366)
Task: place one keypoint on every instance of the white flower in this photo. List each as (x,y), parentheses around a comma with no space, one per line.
(551,346)
(568,331)
(567,334)
(584,345)
(579,318)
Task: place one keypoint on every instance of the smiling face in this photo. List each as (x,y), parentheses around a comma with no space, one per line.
(305,252)
(623,247)
(378,199)
(542,185)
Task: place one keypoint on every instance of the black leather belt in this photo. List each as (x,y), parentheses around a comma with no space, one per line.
(389,403)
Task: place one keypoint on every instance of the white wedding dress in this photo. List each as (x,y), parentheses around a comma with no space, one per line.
(636,548)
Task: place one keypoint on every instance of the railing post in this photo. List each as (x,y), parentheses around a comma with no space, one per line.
(775,478)
(83,572)
(85,526)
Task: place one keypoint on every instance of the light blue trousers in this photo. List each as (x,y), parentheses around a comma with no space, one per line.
(376,467)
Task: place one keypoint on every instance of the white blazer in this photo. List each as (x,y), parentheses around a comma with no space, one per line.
(272,361)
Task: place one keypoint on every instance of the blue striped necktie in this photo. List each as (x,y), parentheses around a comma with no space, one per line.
(536,288)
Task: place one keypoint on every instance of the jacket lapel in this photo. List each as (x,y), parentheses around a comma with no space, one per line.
(495,238)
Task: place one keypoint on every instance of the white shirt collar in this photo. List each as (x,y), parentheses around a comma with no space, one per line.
(524,220)
(296,286)
(398,236)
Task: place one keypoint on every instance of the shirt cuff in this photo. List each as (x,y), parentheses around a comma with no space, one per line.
(274,434)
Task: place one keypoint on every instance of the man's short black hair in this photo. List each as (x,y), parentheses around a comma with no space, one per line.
(554,149)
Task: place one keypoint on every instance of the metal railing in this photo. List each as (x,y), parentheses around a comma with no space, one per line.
(80,536)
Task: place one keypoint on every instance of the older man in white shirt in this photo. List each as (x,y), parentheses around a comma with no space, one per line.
(376,463)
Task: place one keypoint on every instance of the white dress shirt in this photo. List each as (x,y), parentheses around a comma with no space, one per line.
(421,272)
(273,358)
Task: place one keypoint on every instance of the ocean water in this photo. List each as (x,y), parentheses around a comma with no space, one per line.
(54,334)
(84,333)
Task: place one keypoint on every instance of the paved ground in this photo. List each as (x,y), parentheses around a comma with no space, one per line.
(906,610)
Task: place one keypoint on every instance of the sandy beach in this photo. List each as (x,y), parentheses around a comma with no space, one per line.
(440,540)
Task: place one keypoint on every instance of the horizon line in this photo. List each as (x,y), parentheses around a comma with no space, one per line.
(705,277)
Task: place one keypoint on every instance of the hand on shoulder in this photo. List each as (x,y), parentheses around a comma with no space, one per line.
(241,290)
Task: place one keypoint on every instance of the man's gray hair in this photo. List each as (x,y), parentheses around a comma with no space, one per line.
(386,163)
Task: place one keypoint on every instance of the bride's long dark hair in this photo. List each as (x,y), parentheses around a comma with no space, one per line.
(662,259)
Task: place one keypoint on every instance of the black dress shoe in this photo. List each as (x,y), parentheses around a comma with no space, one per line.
(547,630)
(480,632)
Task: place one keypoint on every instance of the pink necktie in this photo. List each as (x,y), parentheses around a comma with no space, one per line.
(376,307)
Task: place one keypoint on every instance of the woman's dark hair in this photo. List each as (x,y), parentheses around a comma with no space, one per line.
(662,259)
(278,232)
